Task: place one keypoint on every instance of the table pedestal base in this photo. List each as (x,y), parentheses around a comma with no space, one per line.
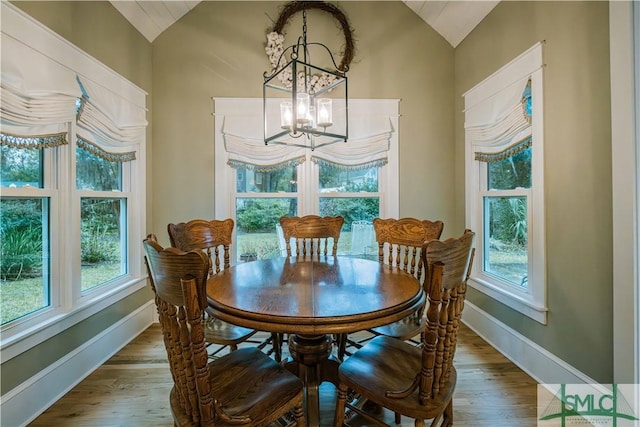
(314,364)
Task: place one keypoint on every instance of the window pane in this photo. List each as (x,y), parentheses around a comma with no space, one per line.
(513,172)
(21,167)
(258,226)
(24,257)
(357,237)
(102,246)
(284,180)
(95,173)
(335,180)
(505,249)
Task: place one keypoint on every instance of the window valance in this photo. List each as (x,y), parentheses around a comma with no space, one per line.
(497,120)
(39,98)
(500,121)
(37,95)
(108,120)
(366,148)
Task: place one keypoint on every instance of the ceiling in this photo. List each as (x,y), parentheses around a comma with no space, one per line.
(452,19)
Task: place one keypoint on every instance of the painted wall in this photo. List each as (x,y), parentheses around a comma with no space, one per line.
(217,50)
(577,168)
(101,31)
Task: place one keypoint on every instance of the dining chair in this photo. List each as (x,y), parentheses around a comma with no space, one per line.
(312,235)
(417,382)
(400,243)
(242,387)
(214,239)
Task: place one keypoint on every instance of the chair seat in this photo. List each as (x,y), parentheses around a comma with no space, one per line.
(247,383)
(389,364)
(220,332)
(403,329)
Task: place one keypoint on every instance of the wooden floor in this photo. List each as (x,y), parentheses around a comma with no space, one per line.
(132,389)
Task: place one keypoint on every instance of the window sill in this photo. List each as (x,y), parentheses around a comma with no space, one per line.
(517,302)
(31,333)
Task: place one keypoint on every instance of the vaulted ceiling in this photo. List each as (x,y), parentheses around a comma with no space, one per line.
(453,19)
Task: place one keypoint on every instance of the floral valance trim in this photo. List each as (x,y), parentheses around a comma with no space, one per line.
(237,164)
(33,142)
(506,153)
(94,149)
(378,163)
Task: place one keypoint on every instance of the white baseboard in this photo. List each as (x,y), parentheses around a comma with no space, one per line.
(539,363)
(24,403)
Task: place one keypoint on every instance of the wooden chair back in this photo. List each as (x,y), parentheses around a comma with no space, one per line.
(214,237)
(178,279)
(403,240)
(312,234)
(449,265)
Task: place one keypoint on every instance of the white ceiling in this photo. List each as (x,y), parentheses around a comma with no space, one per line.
(453,19)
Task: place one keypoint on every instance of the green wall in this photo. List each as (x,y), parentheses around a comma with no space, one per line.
(217,50)
(577,156)
(101,31)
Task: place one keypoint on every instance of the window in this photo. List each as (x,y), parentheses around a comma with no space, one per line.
(103,217)
(357,180)
(504,184)
(72,205)
(24,235)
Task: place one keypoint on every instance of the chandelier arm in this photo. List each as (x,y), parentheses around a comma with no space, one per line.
(328,51)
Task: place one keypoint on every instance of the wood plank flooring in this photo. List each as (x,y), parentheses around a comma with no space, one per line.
(132,389)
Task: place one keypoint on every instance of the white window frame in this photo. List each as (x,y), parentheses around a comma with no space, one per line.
(308,194)
(68,305)
(531,302)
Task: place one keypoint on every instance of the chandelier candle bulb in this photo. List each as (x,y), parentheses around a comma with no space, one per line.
(302,112)
(285,115)
(324,112)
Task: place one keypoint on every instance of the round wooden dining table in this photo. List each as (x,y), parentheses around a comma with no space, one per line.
(311,299)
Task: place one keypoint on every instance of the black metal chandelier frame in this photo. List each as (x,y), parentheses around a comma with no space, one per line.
(299,60)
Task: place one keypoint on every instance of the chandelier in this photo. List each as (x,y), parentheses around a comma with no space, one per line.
(305,105)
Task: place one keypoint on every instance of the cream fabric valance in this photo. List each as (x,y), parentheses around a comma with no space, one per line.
(499,121)
(37,95)
(367,146)
(108,120)
(40,97)
(496,120)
